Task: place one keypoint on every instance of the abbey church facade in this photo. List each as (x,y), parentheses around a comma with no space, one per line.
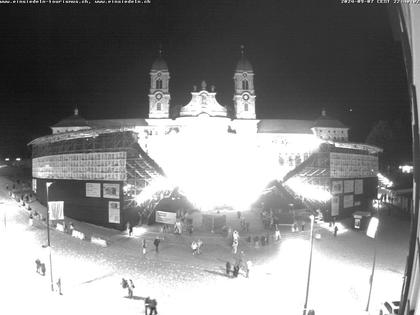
(314,153)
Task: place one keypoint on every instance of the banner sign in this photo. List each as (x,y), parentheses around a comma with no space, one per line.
(348,201)
(93,190)
(114,212)
(358,186)
(348,186)
(56,210)
(337,187)
(335,202)
(165,217)
(111,191)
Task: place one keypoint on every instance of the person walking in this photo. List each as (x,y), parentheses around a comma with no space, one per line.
(43,269)
(235,246)
(38,265)
(71,227)
(130,287)
(248,266)
(303,226)
(236,271)
(153,307)
(335,231)
(143,246)
(235,235)
(194,247)
(199,244)
(124,283)
(156,242)
(277,234)
(59,286)
(228,266)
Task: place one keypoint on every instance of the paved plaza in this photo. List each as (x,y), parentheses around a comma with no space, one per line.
(187,284)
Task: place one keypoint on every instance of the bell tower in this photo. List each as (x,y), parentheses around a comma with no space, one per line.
(159,96)
(244,96)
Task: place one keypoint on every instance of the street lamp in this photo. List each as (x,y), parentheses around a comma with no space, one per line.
(371,232)
(48,184)
(310,264)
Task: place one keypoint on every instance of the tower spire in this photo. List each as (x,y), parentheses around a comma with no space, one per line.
(160,50)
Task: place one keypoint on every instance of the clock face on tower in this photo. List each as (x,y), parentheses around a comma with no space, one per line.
(245,97)
(158,96)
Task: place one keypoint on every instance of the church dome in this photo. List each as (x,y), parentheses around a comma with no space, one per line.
(325,121)
(159,64)
(74,120)
(243,63)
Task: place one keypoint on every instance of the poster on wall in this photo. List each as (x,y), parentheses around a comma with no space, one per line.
(56,210)
(93,190)
(358,186)
(335,201)
(348,186)
(114,212)
(34,185)
(337,187)
(111,191)
(348,201)
(165,217)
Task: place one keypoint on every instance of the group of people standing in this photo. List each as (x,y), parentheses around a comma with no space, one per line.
(149,304)
(241,263)
(129,285)
(156,243)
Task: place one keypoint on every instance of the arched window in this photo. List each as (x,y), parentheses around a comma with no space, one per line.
(158,84)
(245,85)
(246,107)
(158,107)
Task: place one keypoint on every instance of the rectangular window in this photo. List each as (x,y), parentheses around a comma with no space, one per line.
(158,107)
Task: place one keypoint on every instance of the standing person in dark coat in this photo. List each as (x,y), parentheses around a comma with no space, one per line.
(153,307)
(38,265)
(43,269)
(228,266)
(59,286)
(143,246)
(156,243)
(335,231)
(236,271)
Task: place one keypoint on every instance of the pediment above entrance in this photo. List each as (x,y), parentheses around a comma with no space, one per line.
(203,102)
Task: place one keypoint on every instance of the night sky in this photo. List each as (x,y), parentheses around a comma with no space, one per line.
(306,55)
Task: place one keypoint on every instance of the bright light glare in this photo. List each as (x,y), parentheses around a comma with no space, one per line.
(385,181)
(373,226)
(406,168)
(308,191)
(158,185)
(214,168)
